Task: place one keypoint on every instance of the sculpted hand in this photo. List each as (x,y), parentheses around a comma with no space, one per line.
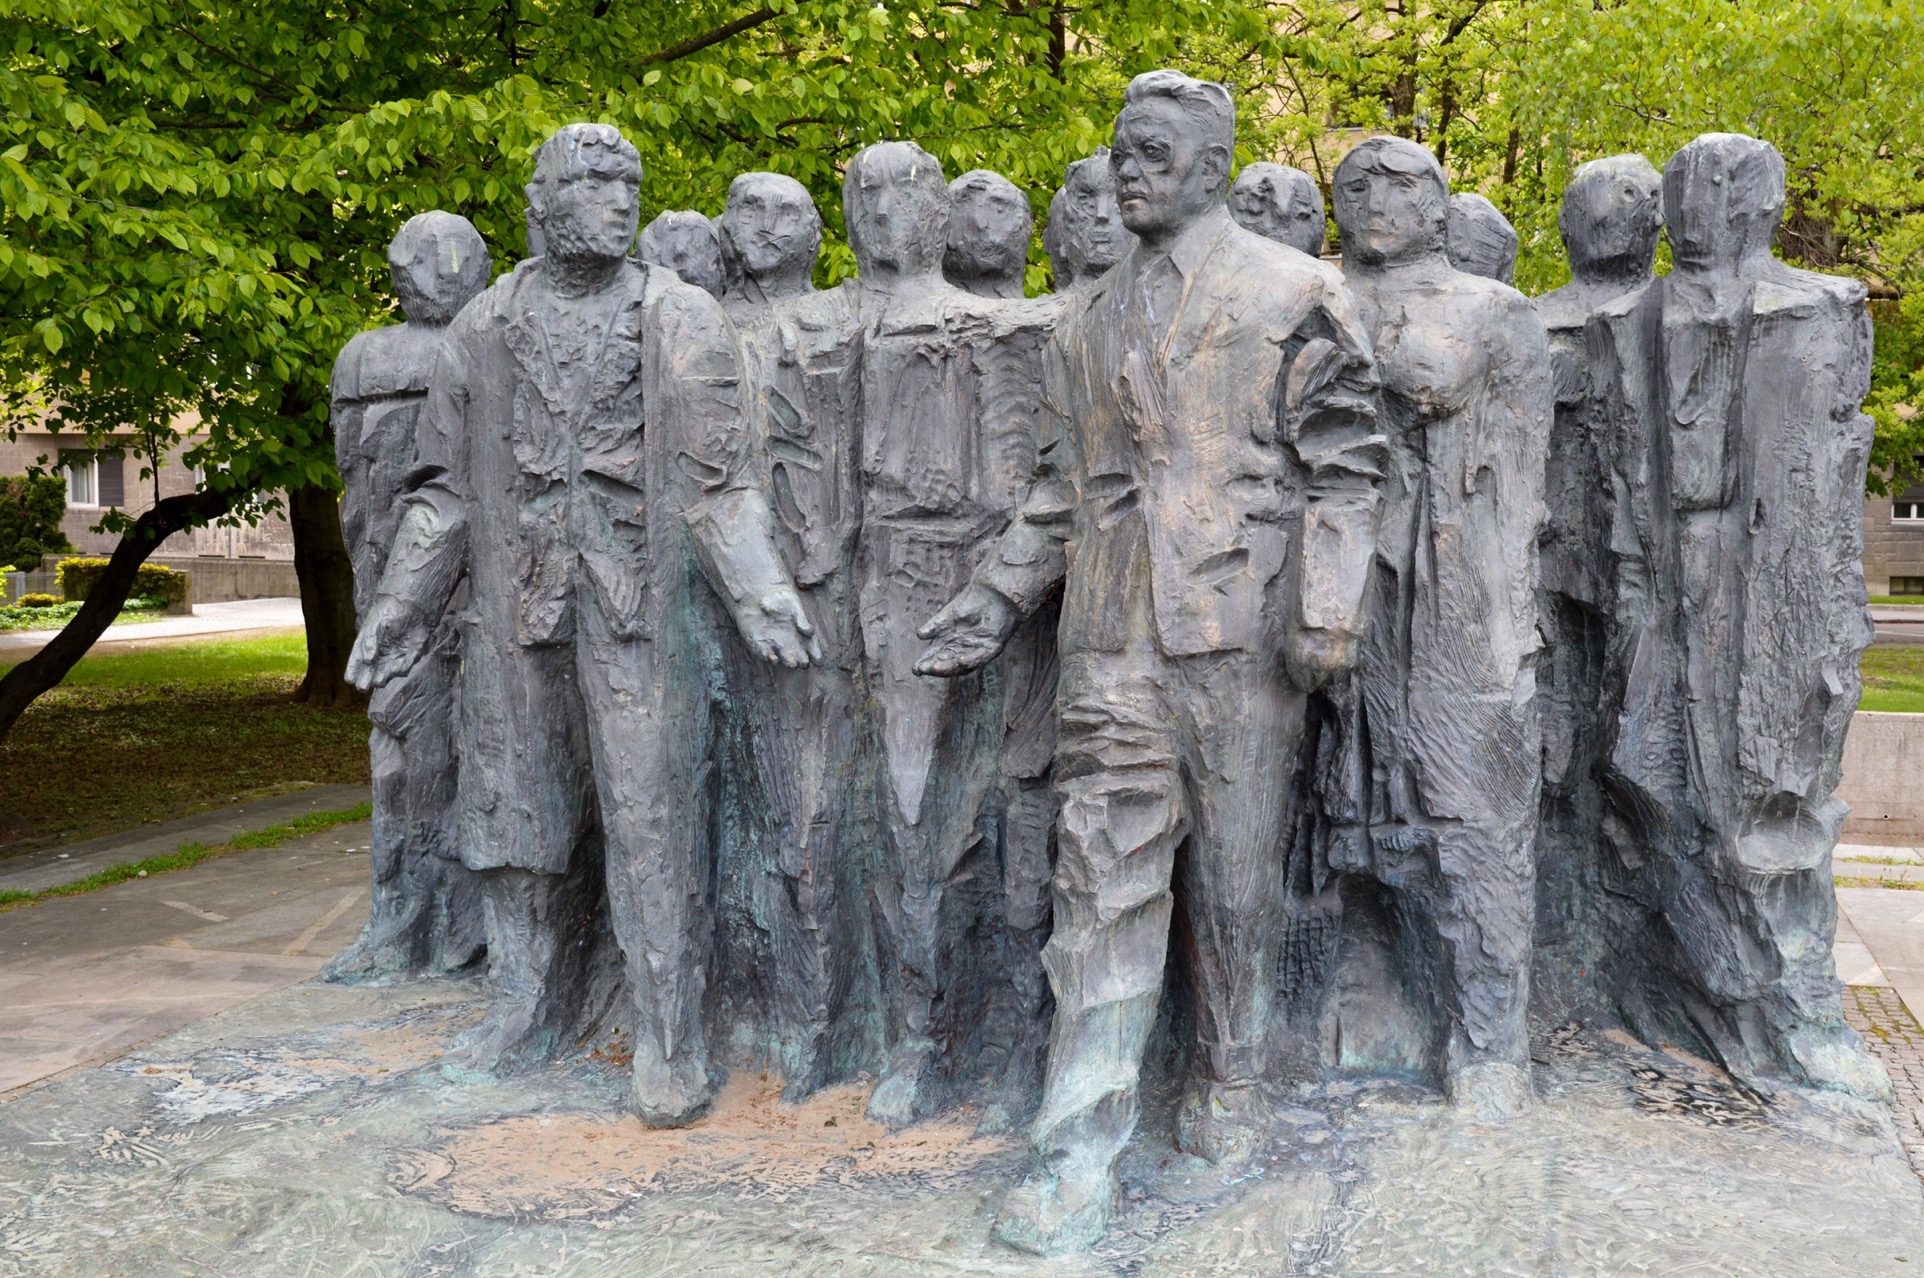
(776,627)
(1317,656)
(390,642)
(967,633)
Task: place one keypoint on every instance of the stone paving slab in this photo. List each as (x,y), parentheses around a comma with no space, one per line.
(308,1132)
(58,865)
(1890,924)
(85,978)
(1897,1040)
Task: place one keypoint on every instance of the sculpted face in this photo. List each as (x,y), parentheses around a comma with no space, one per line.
(989,227)
(770,229)
(1723,196)
(1085,236)
(1482,241)
(685,242)
(586,193)
(897,206)
(1279,203)
(438,263)
(1612,212)
(1167,171)
(1392,205)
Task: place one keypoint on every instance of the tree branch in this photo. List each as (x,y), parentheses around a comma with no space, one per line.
(46,668)
(695,44)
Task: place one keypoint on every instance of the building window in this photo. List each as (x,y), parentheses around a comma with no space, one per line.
(94,481)
(83,479)
(1907,512)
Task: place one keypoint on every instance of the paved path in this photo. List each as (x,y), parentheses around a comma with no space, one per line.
(232,620)
(70,862)
(87,978)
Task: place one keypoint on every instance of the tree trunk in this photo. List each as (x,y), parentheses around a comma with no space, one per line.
(46,668)
(327,595)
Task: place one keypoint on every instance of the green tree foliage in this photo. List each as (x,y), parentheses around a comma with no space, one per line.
(31,507)
(195,196)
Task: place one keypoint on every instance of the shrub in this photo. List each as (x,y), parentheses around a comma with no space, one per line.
(30,511)
(37,601)
(77,577)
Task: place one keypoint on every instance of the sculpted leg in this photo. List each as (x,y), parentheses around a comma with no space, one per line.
(1246,727)
(938,765)
(649,735)
(808,758)
(388,944)
(1483,915)
(525,961)
(1121,819)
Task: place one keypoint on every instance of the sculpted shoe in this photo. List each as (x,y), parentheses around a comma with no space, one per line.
(898,1095)
(1492,1089)
(1048,1215)
(511,1038)
(1221,1124)
(670,1093)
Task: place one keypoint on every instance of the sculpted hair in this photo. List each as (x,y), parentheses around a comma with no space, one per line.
(576,150)
(1206,102)
(1399,155)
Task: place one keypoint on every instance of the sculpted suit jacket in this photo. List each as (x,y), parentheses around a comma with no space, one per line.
(596,504)
(1238,447)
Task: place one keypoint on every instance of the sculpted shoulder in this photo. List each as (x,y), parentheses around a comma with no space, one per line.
(1789,290)
(1564,307)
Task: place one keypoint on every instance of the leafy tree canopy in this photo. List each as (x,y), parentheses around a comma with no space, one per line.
(195,197)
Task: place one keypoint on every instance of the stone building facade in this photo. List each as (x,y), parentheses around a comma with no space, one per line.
(97,482)
(1894,544)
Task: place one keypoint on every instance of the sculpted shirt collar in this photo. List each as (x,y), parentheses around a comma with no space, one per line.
(1193,247)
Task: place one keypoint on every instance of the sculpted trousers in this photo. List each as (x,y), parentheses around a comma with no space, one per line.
(649,735)
(1171,776)
(640,709)
(808,760)
(1453,814)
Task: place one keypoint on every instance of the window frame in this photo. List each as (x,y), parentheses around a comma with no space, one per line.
(74,462)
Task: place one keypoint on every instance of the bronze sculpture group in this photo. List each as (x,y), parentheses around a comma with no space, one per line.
(1228,660)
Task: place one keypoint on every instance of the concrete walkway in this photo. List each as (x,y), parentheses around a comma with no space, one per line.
(69,863)
(231,620)
(87,978)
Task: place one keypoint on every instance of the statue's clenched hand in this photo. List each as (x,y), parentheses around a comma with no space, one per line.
(391,640)
(967,633)
(776,628)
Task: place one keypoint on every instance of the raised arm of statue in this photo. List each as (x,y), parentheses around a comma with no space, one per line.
(431,546)
(1328,410)
(701,400)
(1025,564)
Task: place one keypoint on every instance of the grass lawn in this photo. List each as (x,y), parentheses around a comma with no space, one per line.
(1893,678)
(146,736)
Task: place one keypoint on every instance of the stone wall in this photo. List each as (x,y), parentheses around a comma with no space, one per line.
(1884,779)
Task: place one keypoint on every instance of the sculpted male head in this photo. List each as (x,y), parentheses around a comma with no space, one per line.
(1279,203)
(438,263)
(1612,211)
(1392,203)
(896,203)
(1723,196)
(1085,235)
(1175,140)
(1482,241)
(990,225)
(685,242)
(770,233)
(585,195)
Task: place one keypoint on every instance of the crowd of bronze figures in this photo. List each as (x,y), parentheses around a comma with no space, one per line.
(1228,672)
